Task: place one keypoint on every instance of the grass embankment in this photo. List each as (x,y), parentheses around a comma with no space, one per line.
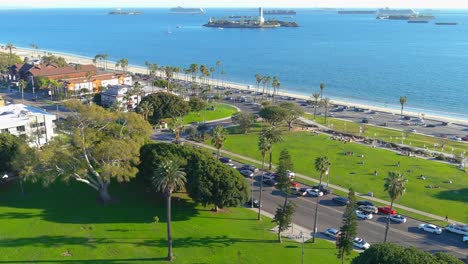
(220,111)
(47,224)
(347,171)
(391,135)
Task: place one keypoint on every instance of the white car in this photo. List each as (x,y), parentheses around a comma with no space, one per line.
(398,218)
(430,228)
(360,243)
(332,232)
(368,209)
(363,215)
(290,174)
(232,165)
(458,229)
(314,192)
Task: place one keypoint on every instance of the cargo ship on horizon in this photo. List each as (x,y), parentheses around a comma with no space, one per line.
(183,10)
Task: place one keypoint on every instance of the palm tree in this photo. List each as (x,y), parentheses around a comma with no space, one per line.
(218,136)
(137,90)
(275,84)
(105,57)
(178,123)
(322,165)
(194,70)
(326,103)
(403,100)
(395,187)
(316,97)
(266,82)
(167,178)
(218,65)
(212,70)
(265,146)
(258,79)
(146,109)
(22,85)
(223,72)
(322,87)
(273,136)
(9,47)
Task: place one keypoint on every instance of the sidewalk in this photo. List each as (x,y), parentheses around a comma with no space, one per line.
(334,186)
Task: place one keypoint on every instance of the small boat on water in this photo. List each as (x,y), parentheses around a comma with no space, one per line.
(446,23)
(220,28)
(418,21)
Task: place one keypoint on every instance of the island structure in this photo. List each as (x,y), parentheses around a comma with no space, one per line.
(280,12)
(119,11)
(402,14)
(248,22)
(183,10)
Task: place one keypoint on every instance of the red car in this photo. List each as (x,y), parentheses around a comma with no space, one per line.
(386,210)
(295,184)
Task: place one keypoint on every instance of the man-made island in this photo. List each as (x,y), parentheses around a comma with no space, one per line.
(119,11)
(248,22)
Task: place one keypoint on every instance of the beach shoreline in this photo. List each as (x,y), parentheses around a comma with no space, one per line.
(73,58)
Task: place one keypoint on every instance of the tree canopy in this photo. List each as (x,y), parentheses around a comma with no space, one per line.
(60,61)
(165,105)
(245,121)
(293,112)
(197,104)
(5,60)
(10,148)
(273,114)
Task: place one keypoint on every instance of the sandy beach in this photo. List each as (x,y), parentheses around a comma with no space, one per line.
(31,53)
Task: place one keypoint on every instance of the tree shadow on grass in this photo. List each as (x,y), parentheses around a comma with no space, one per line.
(460,195)
(77,203)
(93,261)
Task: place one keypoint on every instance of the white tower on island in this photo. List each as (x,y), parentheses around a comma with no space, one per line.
(261,19)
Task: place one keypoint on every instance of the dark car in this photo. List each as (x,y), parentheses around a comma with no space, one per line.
(256,203)
(270,182)
(365,120)
(249,167)
(430,125)
(225,159)
(340,200)
(323,189)
(365,202)
(246,173)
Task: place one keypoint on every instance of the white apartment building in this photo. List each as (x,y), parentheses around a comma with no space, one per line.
(118,93)
(37,124)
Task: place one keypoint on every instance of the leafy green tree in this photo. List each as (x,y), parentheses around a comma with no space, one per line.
(201,129)
(293,112)
(264,146)
(165,105)
(322,165)
(395,187)
(6,61)
(285,164)
(97,146)
(403,101)
(348,229)
(60,61)
(283,218)
(316,97)
(168,178)
(218,136)
(9,149)
(273,114)
(245,121)
(197,104)
(273,136)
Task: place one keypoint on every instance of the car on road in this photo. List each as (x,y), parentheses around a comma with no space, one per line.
(270,182)
(465,138)
(365,202)
(225,159)
(232,165)
(314,192)
(398,218)
(363,215)
(368,208)
(365,121)
(297,191)
(465,239)
(290,174)
(294,184)
(386,210)
(340,200)
(458,229)
(269,175)
(249,167)
(323,189)
(360,243)
(332,232)
(430,228)
(246,173)
(430,125)
(256,203)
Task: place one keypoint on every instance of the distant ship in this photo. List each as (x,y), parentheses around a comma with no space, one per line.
(118,11)
(446,23)
(356,12)
(183,10)
(387,13)
(418,21)
(279,12)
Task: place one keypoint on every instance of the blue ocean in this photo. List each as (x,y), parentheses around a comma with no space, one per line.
(361,59)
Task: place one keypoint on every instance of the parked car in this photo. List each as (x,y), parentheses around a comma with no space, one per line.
(314,192)
(249,167)
(363,215)
(430,125)
(340,200)
(360,243)
(269,176)
(323,189)
(256,203)
(365,202)
(465,239)
(430,228)
(225,159)
(294,184)
(297,191)
(458,229)
(365,121)
(232,165)
(465,138)
(270,182)
(290,174)
(332,232)
(398,218)
(369,209)
(246,173)
(386,210)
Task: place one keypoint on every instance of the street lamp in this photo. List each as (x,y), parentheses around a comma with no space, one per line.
(251,194)
(302,236)
(328,176)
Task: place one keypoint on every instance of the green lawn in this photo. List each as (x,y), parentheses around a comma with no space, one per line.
(346,171)
(416,140)
(40,227)
(220,111)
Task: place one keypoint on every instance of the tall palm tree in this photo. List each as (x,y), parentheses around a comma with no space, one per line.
(218,136)
(178,123)
(137,90)
(146,109)
(326,103)
(258,79)
(148,65)
(266,82)
(9,47)
(273,136)
(167,178)
(218,65)
(22,85)
(322,165)
(316,97)
(105,57)
(275,84)
(322,87)
(264,146)
(223,72)
(403,100)
(395,187)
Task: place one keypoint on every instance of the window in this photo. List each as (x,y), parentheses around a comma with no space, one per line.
(20,128)
(6,131)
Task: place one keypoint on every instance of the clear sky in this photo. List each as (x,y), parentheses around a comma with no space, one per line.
(455,4)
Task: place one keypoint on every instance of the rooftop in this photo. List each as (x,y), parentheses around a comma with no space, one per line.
(13,113)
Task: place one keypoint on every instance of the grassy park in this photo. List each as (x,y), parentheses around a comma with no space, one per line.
(347,171)
(64,224)
(220,111)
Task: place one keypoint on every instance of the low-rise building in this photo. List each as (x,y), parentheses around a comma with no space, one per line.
(28,71)
(93,83)
(120,95)
(37,124)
